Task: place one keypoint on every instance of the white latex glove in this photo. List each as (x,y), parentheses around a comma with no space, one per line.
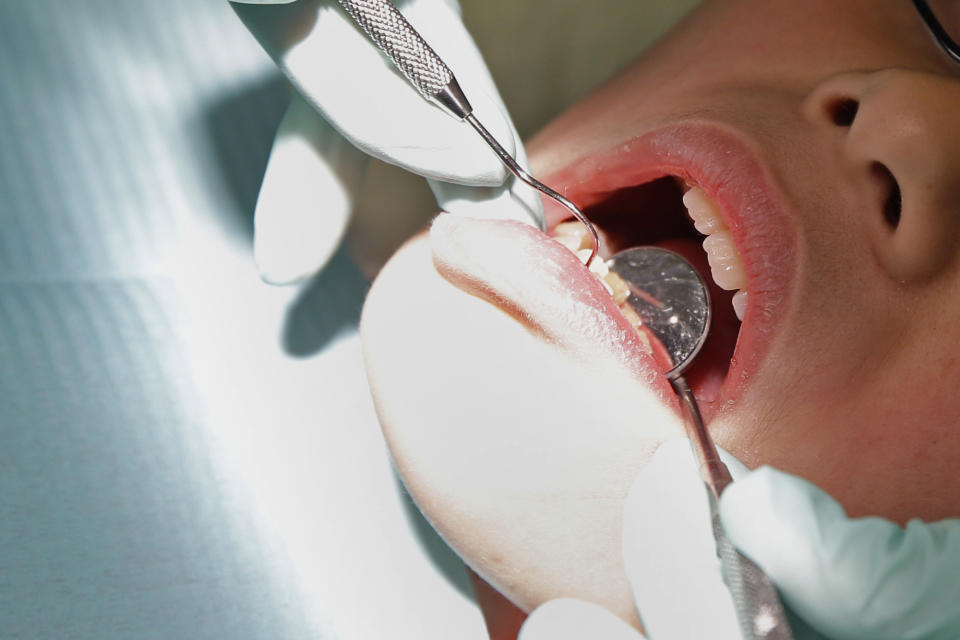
(670,558)
(351,101)
(850,578)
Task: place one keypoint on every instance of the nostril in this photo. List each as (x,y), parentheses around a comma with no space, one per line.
(843,111)
(892,200)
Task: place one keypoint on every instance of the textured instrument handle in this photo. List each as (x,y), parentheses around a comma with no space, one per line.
(402,44)
(429,75)
(757,603)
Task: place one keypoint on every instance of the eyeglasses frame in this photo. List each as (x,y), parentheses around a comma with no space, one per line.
(936,29)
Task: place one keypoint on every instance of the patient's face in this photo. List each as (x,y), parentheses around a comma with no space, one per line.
(825,136)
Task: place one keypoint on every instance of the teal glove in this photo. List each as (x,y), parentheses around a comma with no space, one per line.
(850,578)
(350,101)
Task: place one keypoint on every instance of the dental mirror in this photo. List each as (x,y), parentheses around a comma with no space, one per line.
(673,303)
(670,297)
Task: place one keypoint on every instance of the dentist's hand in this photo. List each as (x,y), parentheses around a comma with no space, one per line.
(670,558)
(864,578)
(350,101)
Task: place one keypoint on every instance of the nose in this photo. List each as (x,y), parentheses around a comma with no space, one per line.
(899,134)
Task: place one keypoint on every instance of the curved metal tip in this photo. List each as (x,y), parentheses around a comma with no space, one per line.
(522,174)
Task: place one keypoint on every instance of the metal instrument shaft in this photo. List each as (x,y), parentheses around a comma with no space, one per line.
(430,76)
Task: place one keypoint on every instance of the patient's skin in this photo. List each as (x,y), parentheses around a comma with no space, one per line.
(520,452)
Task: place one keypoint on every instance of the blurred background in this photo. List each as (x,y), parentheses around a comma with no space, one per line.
(186,452)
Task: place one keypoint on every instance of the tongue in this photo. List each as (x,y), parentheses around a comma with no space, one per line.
(709,369)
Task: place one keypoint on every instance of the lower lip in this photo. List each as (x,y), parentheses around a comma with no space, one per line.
(542,285)
(718,160)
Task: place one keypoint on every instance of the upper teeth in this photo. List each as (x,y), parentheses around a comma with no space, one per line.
(573,235)
(725,264)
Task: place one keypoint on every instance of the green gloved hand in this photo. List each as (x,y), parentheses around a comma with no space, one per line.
(863,578)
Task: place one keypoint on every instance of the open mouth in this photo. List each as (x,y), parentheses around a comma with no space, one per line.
(671,213)
(696,188)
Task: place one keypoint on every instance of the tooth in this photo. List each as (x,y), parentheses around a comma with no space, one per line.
(575,235)
(631,315)
(636,321)
(598,267)
(571,228)
(620,290)
(704,213)
(570,242)
(724,261)
(740,304)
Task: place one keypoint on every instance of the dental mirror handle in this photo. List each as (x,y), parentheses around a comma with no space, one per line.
(755,599)
(432,78)
(712,469)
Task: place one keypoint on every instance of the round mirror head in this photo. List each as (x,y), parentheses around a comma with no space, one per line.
(671,299)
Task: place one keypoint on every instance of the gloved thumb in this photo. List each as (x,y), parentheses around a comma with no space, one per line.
(669,552)
(849,578)
(511,200)
(308,192)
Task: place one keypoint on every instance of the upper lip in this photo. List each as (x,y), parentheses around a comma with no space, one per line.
(722,161)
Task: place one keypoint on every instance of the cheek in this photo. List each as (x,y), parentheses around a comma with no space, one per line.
(892,454)
(861,395)
(878,432)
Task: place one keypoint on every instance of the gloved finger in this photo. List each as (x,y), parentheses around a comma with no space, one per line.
(849,578)
(669,552)
(308,191)
(344,76)
(571,619)
(512,200)
(501,203)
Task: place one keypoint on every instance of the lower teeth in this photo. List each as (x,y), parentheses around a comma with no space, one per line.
(740,304)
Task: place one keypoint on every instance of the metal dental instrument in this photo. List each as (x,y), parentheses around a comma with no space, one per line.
(674,304)
(420,64)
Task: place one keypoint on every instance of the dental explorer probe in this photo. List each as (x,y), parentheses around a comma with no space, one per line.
(432,78)
(674,305)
